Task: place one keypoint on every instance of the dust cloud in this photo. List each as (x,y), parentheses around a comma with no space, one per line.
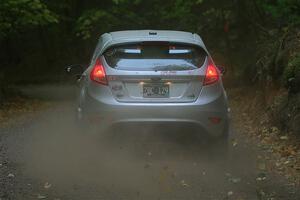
(136,162)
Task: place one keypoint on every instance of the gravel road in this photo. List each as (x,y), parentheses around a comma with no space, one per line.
(43,157)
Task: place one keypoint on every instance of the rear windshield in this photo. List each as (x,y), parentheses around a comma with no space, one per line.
(153,56)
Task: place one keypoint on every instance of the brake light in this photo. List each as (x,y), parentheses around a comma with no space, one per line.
(215,120)
(212,74)
(98,73)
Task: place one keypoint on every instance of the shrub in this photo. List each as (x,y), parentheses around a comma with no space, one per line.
(291,75)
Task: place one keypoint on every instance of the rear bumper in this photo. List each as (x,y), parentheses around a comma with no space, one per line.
(198,113)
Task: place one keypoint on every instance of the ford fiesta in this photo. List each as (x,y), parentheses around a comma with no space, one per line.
(149,76)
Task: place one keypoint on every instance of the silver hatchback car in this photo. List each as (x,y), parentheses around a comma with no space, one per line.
(149,76)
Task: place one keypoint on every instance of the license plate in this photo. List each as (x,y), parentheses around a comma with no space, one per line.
(155,91)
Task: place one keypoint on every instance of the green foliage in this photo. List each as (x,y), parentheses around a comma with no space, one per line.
(120,1)
(283,10)
(17,14)
(291,74)
(89,20)
(139,14)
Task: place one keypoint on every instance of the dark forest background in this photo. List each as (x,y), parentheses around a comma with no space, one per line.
(254,39)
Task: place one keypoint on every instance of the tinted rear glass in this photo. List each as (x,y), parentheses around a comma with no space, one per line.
(149,56)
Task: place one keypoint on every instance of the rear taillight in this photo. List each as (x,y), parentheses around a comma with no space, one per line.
(98,73)
(212,74)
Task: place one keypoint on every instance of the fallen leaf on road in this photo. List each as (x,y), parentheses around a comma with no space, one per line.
(274,129)
(230,193)
(264,130)
(261,177)
(184,184)
(47,185)
(235,180)
(286,162)
(41,196)
(284,137)
(234,143)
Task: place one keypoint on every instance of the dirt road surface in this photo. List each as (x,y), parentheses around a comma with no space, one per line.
(43,157)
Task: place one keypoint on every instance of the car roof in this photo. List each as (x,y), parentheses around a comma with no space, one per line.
(119,37)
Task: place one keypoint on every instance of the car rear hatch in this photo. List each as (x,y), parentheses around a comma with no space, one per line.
(155,71)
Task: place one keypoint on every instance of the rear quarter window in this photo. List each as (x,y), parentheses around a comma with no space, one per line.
(155,56)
